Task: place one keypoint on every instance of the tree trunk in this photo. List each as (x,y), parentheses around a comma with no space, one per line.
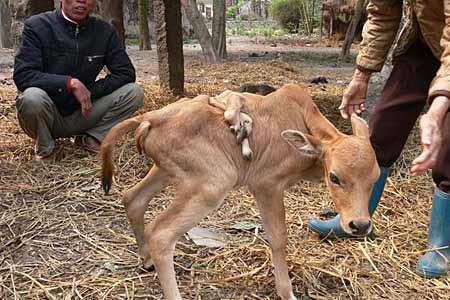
(144,33)
(255,7)
(200,29)
(22,9)
(321,25)
(351,30)
(260,8)
(151,11)
(266,9)
(35,7)
(218,28)
(5,25)
(169,43)
(112,12)
(25,8)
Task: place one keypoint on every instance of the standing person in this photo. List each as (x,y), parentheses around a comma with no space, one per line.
(56,69)
(420,75)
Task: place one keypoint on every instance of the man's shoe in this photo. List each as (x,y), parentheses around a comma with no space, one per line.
(44,156)
(436,263)
(329,228)
(333,228)
(47,158)
(90,143)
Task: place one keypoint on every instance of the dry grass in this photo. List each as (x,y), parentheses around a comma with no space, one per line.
(61,238)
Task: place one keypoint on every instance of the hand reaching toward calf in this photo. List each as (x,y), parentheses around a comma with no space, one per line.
(354,98)
(431,135)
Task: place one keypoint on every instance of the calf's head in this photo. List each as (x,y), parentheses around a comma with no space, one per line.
(350,170)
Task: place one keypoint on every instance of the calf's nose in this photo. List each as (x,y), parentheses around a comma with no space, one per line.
(360,227)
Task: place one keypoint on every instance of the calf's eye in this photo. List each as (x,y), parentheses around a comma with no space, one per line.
(334,179)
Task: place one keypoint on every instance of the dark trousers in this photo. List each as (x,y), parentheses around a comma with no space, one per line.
(402,101)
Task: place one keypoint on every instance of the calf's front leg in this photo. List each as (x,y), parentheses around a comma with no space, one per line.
(270,203)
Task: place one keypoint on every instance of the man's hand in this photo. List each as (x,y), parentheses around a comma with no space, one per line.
(83,96)
(430,133)
(354,98)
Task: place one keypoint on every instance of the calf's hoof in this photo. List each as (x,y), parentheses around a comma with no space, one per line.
(247,154)
(148,265)
(248,157)
(290,297)
(234,129)
(242,135)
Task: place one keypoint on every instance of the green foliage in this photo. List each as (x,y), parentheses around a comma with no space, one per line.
(287,13)
(232,11)
(189,40)
(296,15)
(251,30)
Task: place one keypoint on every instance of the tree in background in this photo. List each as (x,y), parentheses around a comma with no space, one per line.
(256,7)
(337,16)
(34,7)
(144,34)
(22,9)
(5,25)
(112,12)
(351,30)
(169,45)
(288,13)
(219,28)
(200,30)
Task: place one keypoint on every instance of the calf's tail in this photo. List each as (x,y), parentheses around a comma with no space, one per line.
(108,145)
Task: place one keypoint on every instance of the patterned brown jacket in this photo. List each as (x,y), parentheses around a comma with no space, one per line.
(428,20)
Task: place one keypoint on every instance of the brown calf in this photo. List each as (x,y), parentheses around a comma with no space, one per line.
(194,150)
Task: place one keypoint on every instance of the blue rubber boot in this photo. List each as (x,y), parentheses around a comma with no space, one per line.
(436,263)
(332,228)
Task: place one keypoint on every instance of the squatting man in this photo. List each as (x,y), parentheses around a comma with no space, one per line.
(56,68)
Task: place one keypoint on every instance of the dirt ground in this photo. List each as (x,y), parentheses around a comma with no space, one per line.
(61,238)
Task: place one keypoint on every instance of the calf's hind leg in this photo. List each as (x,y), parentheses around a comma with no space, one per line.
(136,201)
(188,208)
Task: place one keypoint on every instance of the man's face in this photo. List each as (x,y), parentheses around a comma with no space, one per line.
(77,10)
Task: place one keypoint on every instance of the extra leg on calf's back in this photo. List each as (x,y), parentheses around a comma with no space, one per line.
(240,123)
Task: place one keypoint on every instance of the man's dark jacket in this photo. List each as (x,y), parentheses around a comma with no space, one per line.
(53,50)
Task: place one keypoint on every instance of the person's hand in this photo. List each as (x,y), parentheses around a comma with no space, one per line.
(430,133)
(83,96)
(354,98)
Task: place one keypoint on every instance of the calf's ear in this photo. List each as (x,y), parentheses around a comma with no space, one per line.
(303,143)
(359,127)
